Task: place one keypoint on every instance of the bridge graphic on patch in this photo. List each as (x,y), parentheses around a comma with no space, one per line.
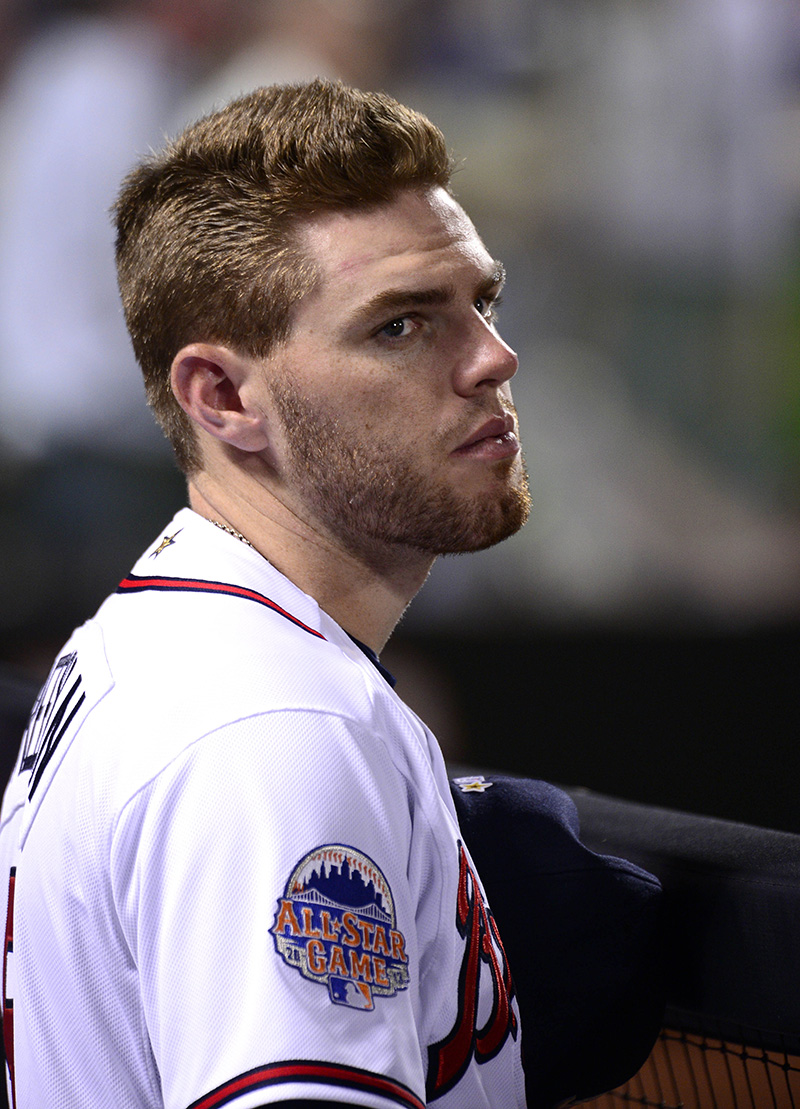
(336,925)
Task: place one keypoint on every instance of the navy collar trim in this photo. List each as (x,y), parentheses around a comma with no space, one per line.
(376,662)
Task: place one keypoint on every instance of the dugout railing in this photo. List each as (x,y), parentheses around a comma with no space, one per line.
(731,1036)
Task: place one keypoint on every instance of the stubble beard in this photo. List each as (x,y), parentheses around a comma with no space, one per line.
(373,498)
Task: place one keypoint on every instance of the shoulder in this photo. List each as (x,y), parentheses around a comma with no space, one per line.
(204,621)
(222,658)
(239,682)
(204,639)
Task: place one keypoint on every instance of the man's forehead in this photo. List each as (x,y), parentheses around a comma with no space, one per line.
(418,227)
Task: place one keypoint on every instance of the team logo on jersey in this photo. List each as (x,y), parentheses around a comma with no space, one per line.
(468,1039)
(336,925)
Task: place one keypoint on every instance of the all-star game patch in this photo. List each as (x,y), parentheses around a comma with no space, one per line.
(336,925)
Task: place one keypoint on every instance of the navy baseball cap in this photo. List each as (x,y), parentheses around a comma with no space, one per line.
(581,931)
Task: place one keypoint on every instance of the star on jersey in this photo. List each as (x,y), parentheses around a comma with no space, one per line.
(167,541)
(476,784)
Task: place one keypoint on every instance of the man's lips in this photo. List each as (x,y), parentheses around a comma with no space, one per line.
(496,438)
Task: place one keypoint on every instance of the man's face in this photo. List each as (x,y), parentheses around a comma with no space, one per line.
(390,404)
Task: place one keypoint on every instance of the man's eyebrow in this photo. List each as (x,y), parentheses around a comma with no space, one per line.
(495,281)
(399,300)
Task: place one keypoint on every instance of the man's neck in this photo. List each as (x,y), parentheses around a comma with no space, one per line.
(366,597)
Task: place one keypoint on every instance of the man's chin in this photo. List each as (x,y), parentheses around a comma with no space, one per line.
(479,527)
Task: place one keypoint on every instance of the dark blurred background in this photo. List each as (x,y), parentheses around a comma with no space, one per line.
(636,164)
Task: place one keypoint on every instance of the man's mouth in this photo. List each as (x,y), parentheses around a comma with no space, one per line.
(495,438)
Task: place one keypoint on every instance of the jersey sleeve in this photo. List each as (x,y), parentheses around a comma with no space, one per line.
(263,887)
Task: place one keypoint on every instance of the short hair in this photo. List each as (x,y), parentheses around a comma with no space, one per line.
(207,249)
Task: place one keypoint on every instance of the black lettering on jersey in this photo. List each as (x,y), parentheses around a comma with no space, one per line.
(449,1058)
(60,698)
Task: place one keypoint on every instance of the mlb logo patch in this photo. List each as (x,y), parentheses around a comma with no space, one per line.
(355,994)
(336,925)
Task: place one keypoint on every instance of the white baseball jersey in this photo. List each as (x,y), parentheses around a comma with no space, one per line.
(236,873)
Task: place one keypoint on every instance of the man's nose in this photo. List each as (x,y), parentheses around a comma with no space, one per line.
(486,360)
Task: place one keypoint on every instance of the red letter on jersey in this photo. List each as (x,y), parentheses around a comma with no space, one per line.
(448,1059)
(8,1002)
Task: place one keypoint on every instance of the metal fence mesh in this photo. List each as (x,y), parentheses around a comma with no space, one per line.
(691,1070)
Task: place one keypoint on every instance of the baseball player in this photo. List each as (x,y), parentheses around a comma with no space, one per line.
(235,873)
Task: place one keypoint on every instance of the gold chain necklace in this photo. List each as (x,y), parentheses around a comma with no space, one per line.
(233,532)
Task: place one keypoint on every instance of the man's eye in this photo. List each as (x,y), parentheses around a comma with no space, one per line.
(488,308)
(397,329)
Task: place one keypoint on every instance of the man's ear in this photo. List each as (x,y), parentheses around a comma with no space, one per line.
(209,384)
